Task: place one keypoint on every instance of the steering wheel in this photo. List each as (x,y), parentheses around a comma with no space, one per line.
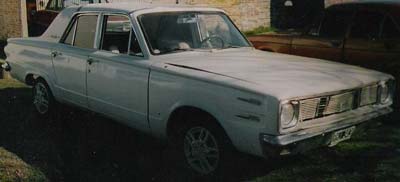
(208,39)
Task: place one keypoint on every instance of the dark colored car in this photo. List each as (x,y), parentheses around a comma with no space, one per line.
(363,34)
(40,20)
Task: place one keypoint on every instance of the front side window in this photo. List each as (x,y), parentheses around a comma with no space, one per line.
(180,31)
(118,36)
(390,29)
(366,25)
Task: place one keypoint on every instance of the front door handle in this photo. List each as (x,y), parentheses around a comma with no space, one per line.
(90,61)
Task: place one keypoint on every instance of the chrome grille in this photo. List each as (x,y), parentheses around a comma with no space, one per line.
(369,95)
(340,103)
(322,105)
(308,108)
(327,105)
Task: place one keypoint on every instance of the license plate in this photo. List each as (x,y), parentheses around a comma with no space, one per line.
(341,135)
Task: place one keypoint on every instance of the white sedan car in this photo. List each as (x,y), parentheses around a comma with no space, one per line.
(187,75)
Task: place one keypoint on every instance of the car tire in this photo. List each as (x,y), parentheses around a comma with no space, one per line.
(42,98)
(203,148)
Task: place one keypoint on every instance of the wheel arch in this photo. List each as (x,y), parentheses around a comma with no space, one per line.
(31,77)
(175,118)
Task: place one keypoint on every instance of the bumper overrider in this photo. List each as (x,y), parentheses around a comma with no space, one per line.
(6,66)
(322,135)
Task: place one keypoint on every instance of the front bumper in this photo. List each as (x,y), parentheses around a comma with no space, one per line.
(314,137)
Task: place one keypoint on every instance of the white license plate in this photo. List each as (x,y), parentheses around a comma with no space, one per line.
(341,135)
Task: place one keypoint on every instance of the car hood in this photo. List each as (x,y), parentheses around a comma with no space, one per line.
(278,75)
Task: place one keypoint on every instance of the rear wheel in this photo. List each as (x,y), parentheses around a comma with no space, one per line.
(43,100)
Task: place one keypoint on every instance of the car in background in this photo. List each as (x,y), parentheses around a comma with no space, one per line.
(42,14)
(365,34)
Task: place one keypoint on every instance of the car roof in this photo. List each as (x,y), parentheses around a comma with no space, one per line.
(56,29)
(373,2)
(390,6)
(130,7)
(384,3)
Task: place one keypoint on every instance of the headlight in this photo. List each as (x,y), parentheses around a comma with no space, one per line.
(384,93)
(288,116)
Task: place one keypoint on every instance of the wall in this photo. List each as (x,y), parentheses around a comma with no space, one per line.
(12,18)
(247,14)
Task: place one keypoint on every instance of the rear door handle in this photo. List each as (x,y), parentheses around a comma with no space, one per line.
(55,54)
(90,61)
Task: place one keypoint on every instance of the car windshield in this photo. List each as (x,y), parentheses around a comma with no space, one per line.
(188,31)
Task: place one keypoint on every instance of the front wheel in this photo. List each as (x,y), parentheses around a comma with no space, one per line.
(42,98)
(206,149)
(202,150)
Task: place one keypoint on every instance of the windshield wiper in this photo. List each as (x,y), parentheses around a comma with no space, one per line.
(177,50)
(232,46)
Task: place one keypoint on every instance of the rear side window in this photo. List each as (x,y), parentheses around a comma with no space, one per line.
(366,25)
(85,31)
(335,23)
(69,38)
(390,29)
(82,32)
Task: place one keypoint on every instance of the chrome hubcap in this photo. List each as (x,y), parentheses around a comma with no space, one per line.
(201,150)
(41,98)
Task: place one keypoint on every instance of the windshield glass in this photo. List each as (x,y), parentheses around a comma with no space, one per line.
(188,31)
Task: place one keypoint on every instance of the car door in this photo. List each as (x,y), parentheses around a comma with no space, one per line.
(363,39)
(326,40)
(70,56)
(118,74)
(386,48)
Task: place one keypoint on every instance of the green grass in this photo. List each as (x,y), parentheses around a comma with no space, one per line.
(373,155)
(11,83)
(12,168)
(259,30)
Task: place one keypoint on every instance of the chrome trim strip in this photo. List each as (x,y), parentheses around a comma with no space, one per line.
(250,101)
(249,117)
